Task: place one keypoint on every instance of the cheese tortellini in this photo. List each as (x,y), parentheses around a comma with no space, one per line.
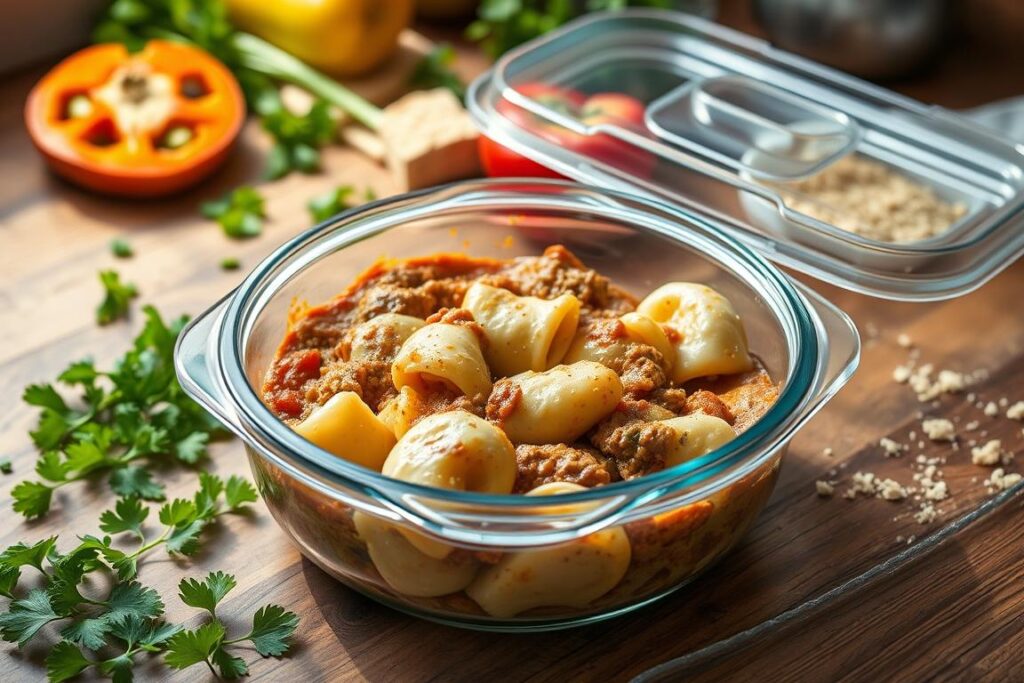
(524,332)
(386,327)
(699,434)
(346,426)
(405,567)
(569,575)
(442,355)
(636,328)
(454,450)
(560,404)
(712,340)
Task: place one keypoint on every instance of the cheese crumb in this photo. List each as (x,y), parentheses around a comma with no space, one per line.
(824,488)
(991,409)
(827,452)
(901,374)
(1016,411)
(890,489)
(905,341)
(1000,480)
(939,429)
(988,454)
(927,514)
(891,448)
(863,482)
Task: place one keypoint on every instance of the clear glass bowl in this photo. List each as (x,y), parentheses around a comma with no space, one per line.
(357,524)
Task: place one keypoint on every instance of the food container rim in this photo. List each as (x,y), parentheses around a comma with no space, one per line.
(806,388)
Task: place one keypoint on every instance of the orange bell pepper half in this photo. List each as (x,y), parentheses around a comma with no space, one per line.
(140,125)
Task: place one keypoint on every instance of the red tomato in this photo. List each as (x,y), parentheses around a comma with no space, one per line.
(602,108)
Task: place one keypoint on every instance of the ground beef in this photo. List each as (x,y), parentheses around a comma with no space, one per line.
(394,299)
(634,439)
(642,370)
(702,401)
(671,399)
(370,379)
(460,316)
(445,401)
(558,462)
(554,273)
(505,397)
(637,448)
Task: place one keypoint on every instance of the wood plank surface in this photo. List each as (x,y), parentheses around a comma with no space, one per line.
(956,614)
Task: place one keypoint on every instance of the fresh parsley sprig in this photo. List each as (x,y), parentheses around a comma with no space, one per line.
(272,628)
(126,619)
(117,297)
(240,212)
(323,206)
(132,413)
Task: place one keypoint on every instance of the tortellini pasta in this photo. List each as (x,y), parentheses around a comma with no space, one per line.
(442,355)
(699,434)
(636,328)
(454,450)
(523,332)
(402,411)
(570,575)
(560,404)
(346,426)
(368,336)
(405,567)
(712,340)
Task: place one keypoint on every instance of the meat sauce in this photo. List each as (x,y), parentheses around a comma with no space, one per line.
(312,366)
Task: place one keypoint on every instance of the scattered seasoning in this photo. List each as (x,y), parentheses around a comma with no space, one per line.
(121,249)
(866,198)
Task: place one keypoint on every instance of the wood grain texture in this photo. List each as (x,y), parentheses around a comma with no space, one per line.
(957,614)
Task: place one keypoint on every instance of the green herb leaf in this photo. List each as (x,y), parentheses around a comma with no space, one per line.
(135,480)
(189,647)
(206,594)
(89,633)
(192,448)
(240,214)
(230,667)
(31,498)
(5,466)
(20,554)
(230,263)
(272,626)
(64,662)
(26,616)
(435,71)
(133,599)
(324,206)
(121,249)
(297,137)
(116,299)
(128,515)
(238,492)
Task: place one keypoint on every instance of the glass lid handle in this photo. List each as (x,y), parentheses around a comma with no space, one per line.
(753,126)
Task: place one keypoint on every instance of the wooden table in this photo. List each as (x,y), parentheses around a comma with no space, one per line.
(957,614)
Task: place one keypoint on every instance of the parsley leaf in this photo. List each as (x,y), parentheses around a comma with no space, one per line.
(90,633)
(207,593)
(116,298)
(238,492)
(272,626)
(133,599)
(20,554)
(189,647)
(230,263)
(326,205)
(64,662)
(135,410)
(435,71)
(121,249)
(26,616)
(297,137)
(240,213)
(128,515)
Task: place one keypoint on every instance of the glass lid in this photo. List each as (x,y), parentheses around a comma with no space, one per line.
(819,171)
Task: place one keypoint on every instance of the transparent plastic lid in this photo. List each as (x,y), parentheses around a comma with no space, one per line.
(819,171)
